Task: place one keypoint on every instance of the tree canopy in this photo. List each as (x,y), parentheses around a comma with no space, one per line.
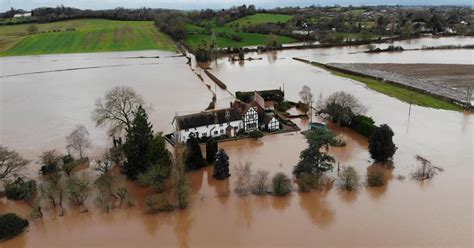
(137,146)
(315,158)
(381,146)
(11,163)
(221,166)
(117,109)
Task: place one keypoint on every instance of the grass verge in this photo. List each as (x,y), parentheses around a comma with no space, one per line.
(399,92)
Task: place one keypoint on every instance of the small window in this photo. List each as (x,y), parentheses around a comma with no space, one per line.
(186,130)
(222,131)
(220,125)
(215,132)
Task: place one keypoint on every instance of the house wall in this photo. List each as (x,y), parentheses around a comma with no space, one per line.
(251,120)
(273,125)
(183,135)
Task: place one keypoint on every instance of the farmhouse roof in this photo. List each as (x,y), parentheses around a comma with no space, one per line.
(207,118)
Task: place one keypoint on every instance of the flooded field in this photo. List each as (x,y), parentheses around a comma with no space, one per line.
(39,110)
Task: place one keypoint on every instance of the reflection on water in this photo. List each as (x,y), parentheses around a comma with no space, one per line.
(435,214)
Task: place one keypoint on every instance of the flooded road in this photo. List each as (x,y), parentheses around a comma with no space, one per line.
(38,111)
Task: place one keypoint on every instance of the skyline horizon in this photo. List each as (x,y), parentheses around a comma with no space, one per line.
(189,5)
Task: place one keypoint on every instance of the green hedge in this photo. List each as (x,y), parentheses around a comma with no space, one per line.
(363,125)
(267,95)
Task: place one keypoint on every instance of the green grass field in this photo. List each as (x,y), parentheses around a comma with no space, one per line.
(90,35)
(196,34)
(401,93)
(261,18)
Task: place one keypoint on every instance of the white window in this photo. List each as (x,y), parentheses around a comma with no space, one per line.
(222,131)
(215,132)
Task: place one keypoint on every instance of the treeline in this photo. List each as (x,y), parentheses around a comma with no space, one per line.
(59,13)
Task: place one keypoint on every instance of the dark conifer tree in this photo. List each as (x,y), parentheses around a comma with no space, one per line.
(381,146)
(211,150)
(221,165)
(194,159)
(137,146)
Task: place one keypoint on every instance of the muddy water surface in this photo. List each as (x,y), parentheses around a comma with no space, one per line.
(404,213)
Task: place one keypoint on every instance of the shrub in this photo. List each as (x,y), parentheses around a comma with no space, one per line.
(281,184)
(20,189)
(363,125)
(236,37)
(256,134)
(244,174)
(376,179)
(348,179)
(11,225)
(158,203)
(309,181)
(260,182)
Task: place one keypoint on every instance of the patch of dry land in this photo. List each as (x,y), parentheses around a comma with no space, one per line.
(447,80)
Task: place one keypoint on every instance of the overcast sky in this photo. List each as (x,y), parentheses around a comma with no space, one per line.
(214,4)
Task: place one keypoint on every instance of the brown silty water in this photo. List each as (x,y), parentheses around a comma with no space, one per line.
(39,110)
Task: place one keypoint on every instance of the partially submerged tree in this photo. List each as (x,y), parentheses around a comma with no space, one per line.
(381,146)
(104,163)
(244,177)
(342,107)
(425,171)
(348,179)
(181,184)
(260,182)
(137,146)
(194,159)
(221,166)
(79,140)
(315,158)
(117,109)
(78,188)
(211,150)
(281,184)
(50,162)
(306,97)
(11,163)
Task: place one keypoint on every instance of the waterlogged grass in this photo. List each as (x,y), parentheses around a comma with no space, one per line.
(401,93)
(89,35)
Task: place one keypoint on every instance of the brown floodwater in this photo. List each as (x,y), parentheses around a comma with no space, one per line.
(39,110)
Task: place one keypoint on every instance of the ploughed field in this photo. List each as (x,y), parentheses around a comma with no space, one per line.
(84,35)
(447,80)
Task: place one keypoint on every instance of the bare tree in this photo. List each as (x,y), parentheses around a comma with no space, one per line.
(342,106)
(78,188)
(11,163)
(117,109)
(79,140)
(426,170)
(260,182)
(244,175)
(104,163)
(306,97)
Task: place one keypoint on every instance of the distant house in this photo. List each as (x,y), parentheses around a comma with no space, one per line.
(239,117)
(27,14)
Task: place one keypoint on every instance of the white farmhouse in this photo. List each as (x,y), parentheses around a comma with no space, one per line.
(28,14)
(240,117)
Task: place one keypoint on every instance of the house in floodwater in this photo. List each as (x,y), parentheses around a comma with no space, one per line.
(240,117)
